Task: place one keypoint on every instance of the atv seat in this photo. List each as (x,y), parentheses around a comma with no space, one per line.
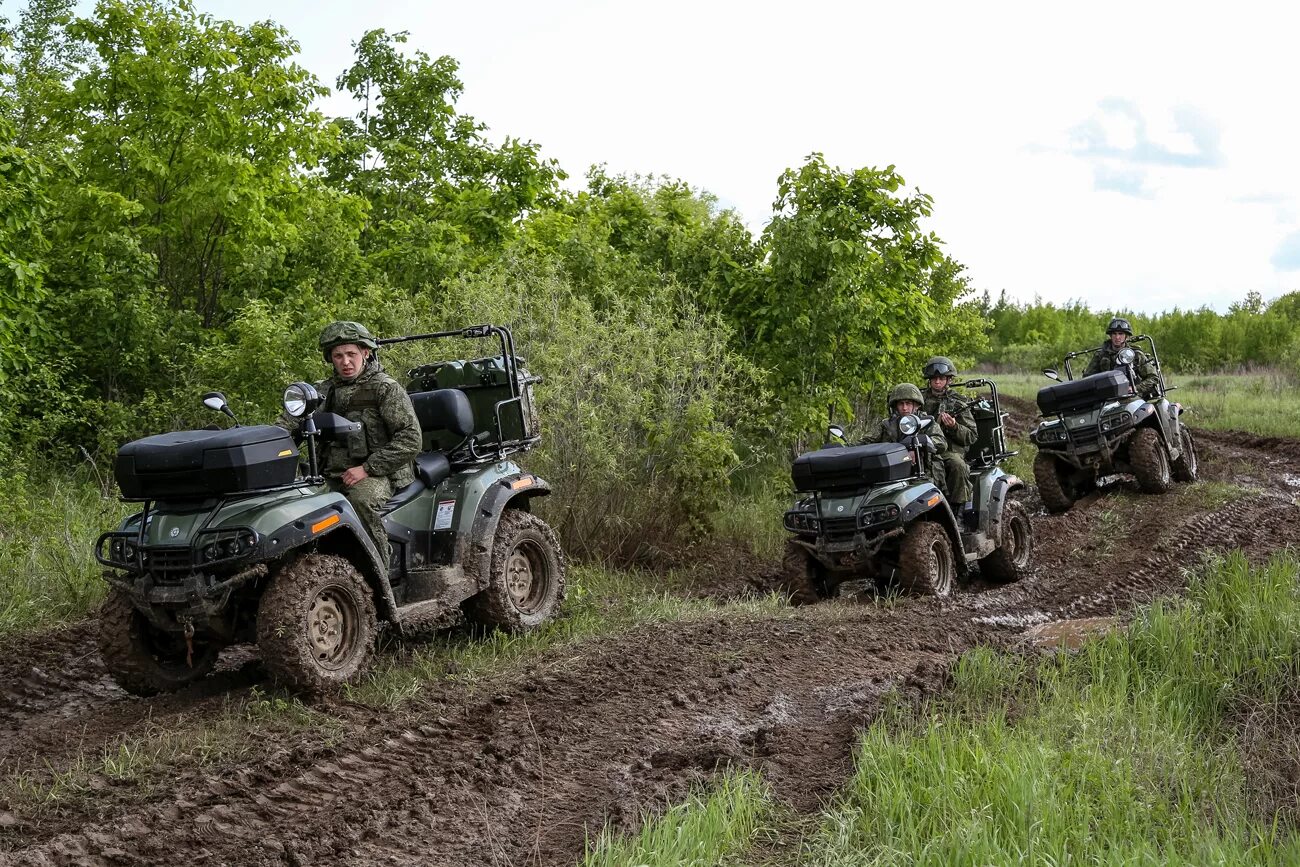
(986,426)
(443,409)
(431,468)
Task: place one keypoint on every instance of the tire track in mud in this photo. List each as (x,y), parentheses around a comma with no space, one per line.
(613,728)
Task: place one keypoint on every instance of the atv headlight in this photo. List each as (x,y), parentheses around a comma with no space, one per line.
(216,546)
(1116,421)
(1125,356)
(908,425)
(301,398)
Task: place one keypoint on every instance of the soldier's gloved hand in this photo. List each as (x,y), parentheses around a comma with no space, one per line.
(947,420)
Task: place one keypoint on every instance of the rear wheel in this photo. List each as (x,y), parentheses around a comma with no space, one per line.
(1184,468)
(926,565)
(143,659)
(1011,560)
(526,584)
(1055,488)
(799,579)
(316,623)
(1150,461)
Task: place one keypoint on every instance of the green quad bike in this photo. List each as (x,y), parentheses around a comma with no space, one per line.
(873,512)
(233,545)
(1099,425)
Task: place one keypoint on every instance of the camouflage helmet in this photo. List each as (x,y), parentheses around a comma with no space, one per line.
(1120,325)
(904,391)
(340,333)
(939,366)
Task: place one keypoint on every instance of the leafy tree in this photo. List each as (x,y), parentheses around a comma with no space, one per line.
(442,197)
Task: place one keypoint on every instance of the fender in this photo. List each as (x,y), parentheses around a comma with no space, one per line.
(514,490)
(1002,488)
(931,501)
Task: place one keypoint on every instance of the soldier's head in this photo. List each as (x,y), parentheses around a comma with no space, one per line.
(347,346)
(1119,331)
(939,371)
(904,399)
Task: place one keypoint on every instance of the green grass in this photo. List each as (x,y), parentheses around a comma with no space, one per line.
(48,528)
(1267,404)
(710,828)
(1120,754)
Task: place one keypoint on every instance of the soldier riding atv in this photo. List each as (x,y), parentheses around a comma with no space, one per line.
(1118,420)
(234,545)
(878,512)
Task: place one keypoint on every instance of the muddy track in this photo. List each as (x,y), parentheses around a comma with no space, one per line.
(538,761)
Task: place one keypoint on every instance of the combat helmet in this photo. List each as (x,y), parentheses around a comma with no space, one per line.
(1120,325)
(905,391)
(939,366)
(339,333)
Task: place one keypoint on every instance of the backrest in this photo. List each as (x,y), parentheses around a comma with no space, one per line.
(443,410)
(986,426)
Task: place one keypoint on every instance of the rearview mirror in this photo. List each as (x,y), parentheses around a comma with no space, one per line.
(1051,373)
(835,432)
(215,400)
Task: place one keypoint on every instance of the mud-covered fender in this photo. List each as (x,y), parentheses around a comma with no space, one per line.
(1003,486)
(929,504)
(334,528)
(512,491)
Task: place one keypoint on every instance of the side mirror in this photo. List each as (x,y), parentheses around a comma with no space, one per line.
(835,432)
(1051,373)
(217,401)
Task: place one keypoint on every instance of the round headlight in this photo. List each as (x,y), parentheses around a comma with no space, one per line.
(300,398)
(908,425)
(1126,356)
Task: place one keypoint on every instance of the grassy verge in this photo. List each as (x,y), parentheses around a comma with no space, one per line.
(1267,404)
(48,528)
(1123,753)
(710,828)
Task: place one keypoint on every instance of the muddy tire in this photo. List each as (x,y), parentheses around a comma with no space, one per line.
(1058,493)
(1150,461)
(1185,468)
(926,565)
(526,584)
(144,660)
(1014,555)
(799,579)
(316,624)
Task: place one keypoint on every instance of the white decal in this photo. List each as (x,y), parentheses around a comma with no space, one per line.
(442,520)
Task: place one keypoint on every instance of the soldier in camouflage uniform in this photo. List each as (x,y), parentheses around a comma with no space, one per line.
(905,399)
(954,415)
(1144,370)
(375,462)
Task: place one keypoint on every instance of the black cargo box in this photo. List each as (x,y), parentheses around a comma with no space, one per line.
(1082,393)
(202,463)
(847,467)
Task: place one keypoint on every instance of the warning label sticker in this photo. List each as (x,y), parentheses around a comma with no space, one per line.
(442,520)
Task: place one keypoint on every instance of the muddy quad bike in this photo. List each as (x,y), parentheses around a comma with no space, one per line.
(1100,425)
(234,545)
(873,512)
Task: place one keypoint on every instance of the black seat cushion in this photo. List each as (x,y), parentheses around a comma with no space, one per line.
(431,468)
(444,409)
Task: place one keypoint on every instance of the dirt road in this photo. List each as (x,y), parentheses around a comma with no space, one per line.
(527,768)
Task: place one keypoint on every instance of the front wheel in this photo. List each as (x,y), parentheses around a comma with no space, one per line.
(526,584)
(145,660)
(1184,468)
(799,579)
(1011,560)
(1150,461)
(1054,485)
(926,565)
(316,623)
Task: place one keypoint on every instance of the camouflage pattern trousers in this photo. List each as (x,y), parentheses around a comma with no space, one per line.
(956,477)
(367,498)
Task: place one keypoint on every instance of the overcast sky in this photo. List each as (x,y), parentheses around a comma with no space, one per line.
(1128,154)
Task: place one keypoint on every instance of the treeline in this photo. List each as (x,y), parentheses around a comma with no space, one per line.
(177,217)
(1251,334)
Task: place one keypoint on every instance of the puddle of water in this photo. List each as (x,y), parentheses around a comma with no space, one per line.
(1070,634)
(1023,620)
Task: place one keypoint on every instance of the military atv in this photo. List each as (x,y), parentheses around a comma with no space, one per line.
(1100,425)
(233,544)
(873,512)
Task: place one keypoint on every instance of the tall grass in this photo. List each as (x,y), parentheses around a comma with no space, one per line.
(1265,403)
(1119,754)
(707,829)
(48,527)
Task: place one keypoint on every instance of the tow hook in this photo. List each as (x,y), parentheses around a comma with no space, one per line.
(187,626)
